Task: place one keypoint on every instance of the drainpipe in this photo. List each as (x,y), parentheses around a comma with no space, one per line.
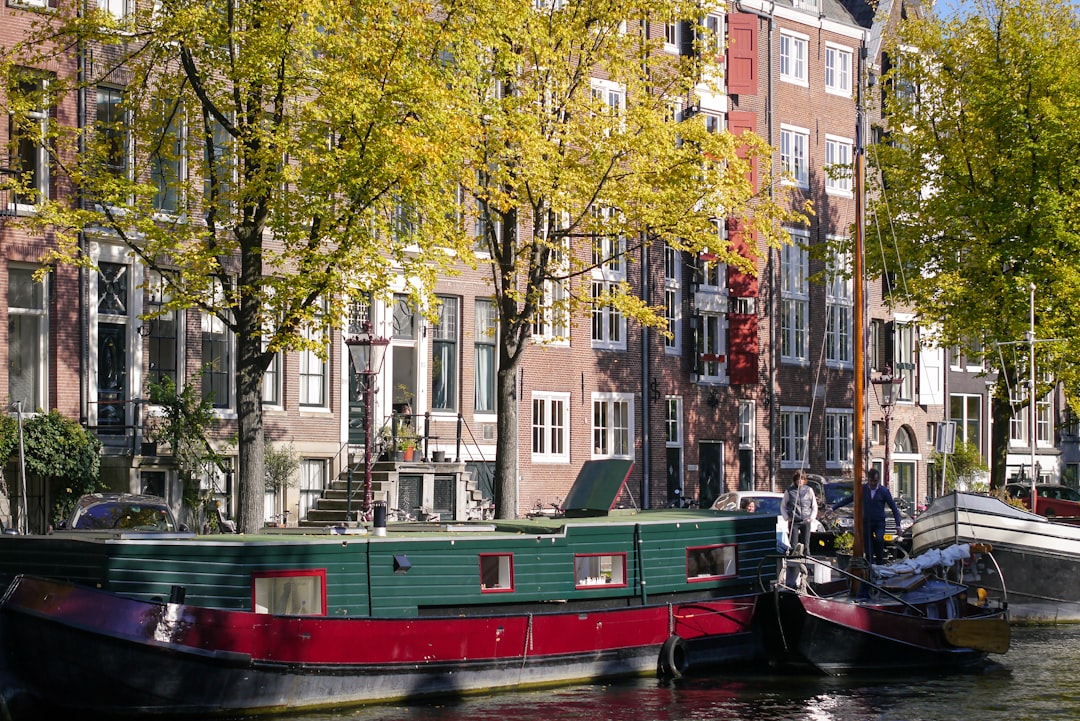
(772,265)
(84,311)
(646,436)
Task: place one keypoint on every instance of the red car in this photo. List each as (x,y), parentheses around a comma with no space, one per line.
(1054,499)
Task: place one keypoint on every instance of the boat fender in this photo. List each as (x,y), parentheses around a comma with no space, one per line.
(673,660)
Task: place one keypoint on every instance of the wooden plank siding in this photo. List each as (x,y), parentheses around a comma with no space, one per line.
(444,576)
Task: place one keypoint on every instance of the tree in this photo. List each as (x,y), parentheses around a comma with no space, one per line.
(272,162)
(579,163)
(980,191)
(960,467)
(60,451)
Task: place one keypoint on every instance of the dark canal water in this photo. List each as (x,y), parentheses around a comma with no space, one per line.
(1038,680)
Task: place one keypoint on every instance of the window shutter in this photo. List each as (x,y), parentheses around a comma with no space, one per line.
(740,122)
(742,70)
(741,285)
(742,349)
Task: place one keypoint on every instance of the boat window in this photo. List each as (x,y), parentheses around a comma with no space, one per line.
(289,593)
(594,570)
(496,572)
(709,562)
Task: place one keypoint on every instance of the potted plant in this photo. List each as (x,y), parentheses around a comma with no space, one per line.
(842,546)
(408,447)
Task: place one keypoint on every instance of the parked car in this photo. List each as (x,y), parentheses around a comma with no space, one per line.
(843,519)
(767,502)
(126,511)
(1054,499)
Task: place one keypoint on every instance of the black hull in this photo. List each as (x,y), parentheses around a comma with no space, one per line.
(1039,559)
(837,636)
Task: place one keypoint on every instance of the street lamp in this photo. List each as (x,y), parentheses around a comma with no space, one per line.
(368,352)
(886,388)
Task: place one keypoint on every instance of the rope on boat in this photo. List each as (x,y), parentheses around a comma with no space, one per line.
(528,645)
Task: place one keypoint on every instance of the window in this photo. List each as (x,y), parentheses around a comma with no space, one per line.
(28,331)
(746,424)
(837,69)
(794,155)
(487,228)
(550,427)
(608,271)
(113,305)
(217,352)
(613,97)
(313,366)
(673,300)
(219,173)
(28,150)
(605,570)
(496,572)
(110,126)
(794,425)
(905,361)
(444,362)
(117,8)
(712,347)
(704,563)
(289,593)
(163,338)
(166,161)
(794,300)
(487,329)
(612,425)
(966,412)
(673,421)
(312,483)
(793,54)
(552,321)
(839,301)
(838,165)
(838,437)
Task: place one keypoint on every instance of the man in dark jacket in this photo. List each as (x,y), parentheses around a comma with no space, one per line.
(875,498)
(799,509)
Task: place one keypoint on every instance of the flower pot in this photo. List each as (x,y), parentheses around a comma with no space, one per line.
(843,560)
(409,453)
(398,455)
(438,456)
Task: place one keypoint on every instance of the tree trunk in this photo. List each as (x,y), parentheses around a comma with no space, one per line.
(506,449)
(252,453)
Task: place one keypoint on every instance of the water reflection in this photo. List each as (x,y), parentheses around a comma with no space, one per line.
(1038,680)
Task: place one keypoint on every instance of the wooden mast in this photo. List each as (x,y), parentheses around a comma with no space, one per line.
(859,341)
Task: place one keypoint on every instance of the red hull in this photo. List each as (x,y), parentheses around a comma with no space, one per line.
(263,662)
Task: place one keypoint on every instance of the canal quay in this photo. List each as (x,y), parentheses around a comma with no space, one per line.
(1038,680)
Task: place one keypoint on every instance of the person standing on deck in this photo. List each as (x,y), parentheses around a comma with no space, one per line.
(799,509)
(875,498)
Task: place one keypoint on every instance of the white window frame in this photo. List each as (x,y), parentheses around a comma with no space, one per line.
(794,55)
(671,37)
(838,437)
(211,324)
(904,355)
(839,309)
(555,424)
(551,325)
(673,300)
(314,368)
(609,270)
(39,338)
(119,9)
(838,165)
(313,480)
(838,64)
(180,140)
(613,95)
(612,425)
(794,429)
(747,424)
(486,338)
(446,332)
(795,155)
(41,153)
(795,300)
(712,346)
(673,421)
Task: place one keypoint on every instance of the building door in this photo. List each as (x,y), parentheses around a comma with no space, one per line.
(710,472)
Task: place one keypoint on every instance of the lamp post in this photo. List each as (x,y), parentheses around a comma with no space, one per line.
(368,352)
(886,387)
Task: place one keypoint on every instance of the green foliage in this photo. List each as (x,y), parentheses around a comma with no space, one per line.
(981,194)
(183,423)
(844,542)
(9,437)
(963,464)
(282,462)
(60,451)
